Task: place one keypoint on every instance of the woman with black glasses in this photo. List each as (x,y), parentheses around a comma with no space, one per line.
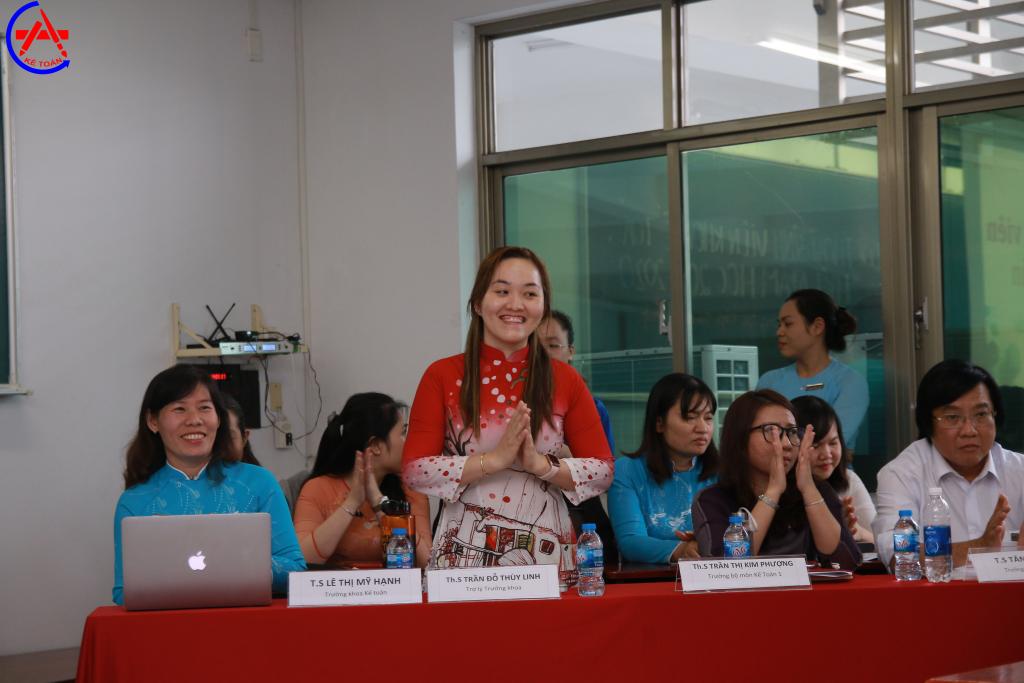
(765,467)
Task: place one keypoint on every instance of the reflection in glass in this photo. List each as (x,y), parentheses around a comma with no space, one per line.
(982,172)
(588,80)
(767,218)
(957,43)
(602,231)
(746,58)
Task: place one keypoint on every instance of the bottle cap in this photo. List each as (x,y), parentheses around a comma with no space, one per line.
(589,526)
(735,519)
(906,513)
(935,491)
(400,531)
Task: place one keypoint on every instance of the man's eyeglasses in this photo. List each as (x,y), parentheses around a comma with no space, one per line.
(772,431)
(982,418)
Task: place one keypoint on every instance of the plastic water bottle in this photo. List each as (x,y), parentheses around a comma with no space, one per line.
(736,541)
(590,562)
(907,563)
(938,546)
(399,550)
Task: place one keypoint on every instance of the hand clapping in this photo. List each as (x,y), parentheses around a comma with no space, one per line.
(804,476)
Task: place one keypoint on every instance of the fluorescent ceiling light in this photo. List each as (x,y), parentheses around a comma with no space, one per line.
(865,69)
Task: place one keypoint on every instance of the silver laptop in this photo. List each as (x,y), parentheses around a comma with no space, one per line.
(182,561)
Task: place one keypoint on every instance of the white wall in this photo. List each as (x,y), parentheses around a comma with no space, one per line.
(392,224)
(161,167)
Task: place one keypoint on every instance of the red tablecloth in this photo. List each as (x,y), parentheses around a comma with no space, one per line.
(868,629)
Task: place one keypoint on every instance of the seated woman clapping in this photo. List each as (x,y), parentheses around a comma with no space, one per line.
(766,468)
(178,464)
(654,486)
(337,514)
(829,463)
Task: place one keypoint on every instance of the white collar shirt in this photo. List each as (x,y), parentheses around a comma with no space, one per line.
(904,482)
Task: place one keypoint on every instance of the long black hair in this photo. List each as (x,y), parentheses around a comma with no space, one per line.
(811,410)
(539,377)
(146,454)
(735,470)
(688,392)
(366,417)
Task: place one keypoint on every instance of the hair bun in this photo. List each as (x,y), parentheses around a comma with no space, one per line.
(845,322)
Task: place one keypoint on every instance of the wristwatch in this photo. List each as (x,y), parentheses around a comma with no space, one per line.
(380,503)
(555,465)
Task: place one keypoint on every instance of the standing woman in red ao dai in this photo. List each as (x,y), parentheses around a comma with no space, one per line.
(487,427)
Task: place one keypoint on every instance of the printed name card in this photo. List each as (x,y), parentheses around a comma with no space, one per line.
(725,574)
(364,587)
(998,565)
(531,582)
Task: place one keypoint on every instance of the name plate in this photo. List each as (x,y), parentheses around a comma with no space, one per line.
(530,582)
(356,587)
(998,565)
(724,574)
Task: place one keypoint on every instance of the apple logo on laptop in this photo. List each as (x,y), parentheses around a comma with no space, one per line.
(197,562)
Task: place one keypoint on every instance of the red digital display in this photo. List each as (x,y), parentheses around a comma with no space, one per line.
(219,376)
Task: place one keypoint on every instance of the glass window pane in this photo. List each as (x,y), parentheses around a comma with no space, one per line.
(588,80)
(956,43)
(602,231)
(767,218)
(747,58)
(982,160)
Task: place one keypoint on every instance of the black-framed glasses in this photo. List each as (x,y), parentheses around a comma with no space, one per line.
(773,430)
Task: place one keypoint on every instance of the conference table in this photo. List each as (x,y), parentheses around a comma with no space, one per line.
(868,629)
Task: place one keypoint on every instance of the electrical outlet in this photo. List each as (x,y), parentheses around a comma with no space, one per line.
(276,404)
(283,434)
(254,39)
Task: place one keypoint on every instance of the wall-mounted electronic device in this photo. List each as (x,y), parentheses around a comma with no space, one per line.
(260,347)
(251,342)
(241,383)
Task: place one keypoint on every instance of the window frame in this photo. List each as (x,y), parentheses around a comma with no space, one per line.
(8,270)
(908,185)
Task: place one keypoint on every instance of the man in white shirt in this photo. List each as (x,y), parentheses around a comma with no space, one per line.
(959,409)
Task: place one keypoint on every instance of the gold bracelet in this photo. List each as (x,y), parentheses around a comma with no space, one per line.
(482,468)
(816,502)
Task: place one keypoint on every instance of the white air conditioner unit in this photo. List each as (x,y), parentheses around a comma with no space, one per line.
(729,371)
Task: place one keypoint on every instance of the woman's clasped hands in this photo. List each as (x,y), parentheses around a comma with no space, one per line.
(516,446)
